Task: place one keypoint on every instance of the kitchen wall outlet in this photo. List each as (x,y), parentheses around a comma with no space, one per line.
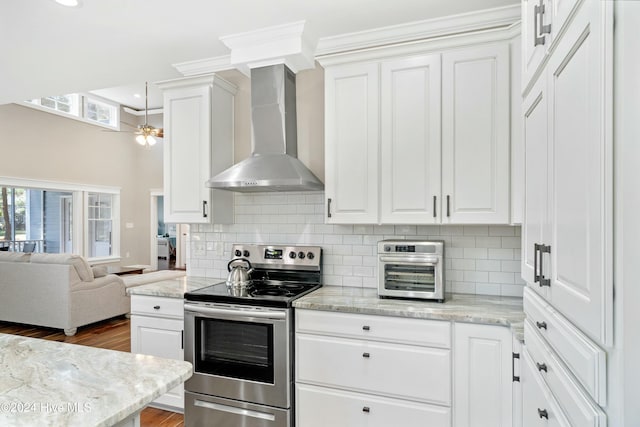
(129,225)
(127,255)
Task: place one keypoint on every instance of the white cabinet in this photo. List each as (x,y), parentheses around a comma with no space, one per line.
(405,135)
(352,143)
(483,376)
(157,326)
(198,143)
(364,375)
(475,135)
(410,140)
(568,144)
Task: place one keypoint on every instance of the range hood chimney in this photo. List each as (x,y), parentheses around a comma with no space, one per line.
(273,164)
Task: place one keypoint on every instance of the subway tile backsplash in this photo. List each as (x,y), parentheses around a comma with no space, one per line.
(479,259)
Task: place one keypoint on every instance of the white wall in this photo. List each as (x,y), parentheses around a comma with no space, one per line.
(43,146)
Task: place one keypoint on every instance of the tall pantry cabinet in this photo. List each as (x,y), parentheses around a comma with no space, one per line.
(567,258)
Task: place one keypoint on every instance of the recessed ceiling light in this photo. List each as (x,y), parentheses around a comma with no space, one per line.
(137,95)
(69,3)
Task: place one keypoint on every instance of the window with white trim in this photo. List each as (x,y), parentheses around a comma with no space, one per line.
(87,108)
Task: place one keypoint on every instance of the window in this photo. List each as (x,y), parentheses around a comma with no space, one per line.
(59,218)
(87,108)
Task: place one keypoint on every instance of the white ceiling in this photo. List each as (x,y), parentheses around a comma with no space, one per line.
(48,49)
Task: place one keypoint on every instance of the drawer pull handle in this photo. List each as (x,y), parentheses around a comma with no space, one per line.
(542,325)
(542,413)
(366,409)
(156,307)
(541,366)
(366,328)
(366,355)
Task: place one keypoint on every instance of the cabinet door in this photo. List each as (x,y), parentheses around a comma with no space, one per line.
(534,43)
(580,84)
(162,338)
(536,183)
(410,140)
(351,143)
(483,390)
(475,135)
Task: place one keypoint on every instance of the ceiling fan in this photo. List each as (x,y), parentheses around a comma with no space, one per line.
(146,134)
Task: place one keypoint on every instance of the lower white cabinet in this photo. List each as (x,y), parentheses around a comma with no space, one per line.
(352,370)
(483,376)
(157,326)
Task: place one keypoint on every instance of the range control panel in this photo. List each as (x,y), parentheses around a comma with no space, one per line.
(280,257)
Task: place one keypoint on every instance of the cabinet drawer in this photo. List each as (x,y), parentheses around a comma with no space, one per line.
(431,333)
(395,370)
(539,408)
(585,360)
(321,407)
(157,306)
(578,408)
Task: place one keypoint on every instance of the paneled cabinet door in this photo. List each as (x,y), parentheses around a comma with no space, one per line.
(581,199)
(475,135)
(198,142)
(162,338)
(352,143)
(534,41)
(483,390)
(410,140)
(535,229)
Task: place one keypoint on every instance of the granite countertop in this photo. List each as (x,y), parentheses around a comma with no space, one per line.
(48,383)
(172,288)
(485,309)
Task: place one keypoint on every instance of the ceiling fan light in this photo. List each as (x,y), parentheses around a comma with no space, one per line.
(140,139)
(151,140)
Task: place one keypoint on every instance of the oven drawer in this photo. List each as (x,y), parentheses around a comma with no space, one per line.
(582,356)
(578,408)
(203,410)
(322,407)
(393,370)
(432,333)
(157,306)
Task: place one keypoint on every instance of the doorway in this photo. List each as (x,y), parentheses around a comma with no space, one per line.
(168,241)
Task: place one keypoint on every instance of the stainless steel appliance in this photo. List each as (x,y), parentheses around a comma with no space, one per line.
(240,340)
(411,269)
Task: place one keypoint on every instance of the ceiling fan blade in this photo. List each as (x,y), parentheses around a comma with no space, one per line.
(159,132)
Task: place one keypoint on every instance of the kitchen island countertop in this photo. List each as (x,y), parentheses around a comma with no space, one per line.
(487,309)
(48,383)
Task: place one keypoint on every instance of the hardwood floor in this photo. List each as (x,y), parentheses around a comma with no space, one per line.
(113,334)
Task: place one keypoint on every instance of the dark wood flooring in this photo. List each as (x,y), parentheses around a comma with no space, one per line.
(113,334)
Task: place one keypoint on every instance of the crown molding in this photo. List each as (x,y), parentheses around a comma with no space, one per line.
(204,66)
(420,30)
(134,112)
(209,79)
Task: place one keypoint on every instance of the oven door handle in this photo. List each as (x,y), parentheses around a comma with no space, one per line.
(236,411)
(235,313)
(409,261)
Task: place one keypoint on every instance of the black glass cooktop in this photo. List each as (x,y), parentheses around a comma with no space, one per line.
(269,293)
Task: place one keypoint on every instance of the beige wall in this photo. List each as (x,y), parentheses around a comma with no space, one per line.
(43,146)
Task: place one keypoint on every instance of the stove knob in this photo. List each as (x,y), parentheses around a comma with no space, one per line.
(292,255)
(310,255)
(238,253)
(301,255)
(246,254)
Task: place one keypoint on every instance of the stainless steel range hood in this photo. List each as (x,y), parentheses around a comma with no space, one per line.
(273,164)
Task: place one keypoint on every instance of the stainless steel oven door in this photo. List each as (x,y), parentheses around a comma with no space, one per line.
(411,276)
(239,352)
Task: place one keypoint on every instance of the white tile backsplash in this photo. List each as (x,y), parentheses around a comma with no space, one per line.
(480,259)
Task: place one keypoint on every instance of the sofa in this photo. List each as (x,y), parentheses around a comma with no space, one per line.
(58,291)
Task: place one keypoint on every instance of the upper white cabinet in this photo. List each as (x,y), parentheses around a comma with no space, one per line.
(420,139)
(351,123)
(475,135)
(568,222)
(198,143)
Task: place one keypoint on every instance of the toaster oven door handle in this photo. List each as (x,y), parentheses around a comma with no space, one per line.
(211,311)
(409,261)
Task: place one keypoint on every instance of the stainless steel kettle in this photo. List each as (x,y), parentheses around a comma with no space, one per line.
(239,274)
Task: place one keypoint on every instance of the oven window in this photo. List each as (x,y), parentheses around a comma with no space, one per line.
(234,349)
(403,277)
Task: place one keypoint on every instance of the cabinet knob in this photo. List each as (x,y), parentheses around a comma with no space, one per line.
(542,413)
(366,409)
(366,355)
(366,328)
(541,366)
(542,325)
(156,307)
